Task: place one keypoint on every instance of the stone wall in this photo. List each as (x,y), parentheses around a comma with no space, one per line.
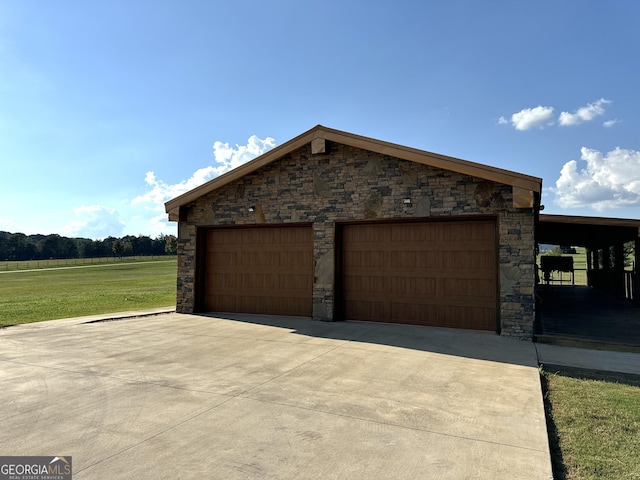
(347,183)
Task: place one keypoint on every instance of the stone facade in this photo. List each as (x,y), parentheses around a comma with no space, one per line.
(344,184)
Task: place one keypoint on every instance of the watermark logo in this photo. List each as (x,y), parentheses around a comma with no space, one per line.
(35,468)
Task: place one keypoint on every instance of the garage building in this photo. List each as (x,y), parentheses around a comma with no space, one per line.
(336,226)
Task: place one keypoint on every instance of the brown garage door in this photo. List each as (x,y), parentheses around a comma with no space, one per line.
(259,270)
(432,273)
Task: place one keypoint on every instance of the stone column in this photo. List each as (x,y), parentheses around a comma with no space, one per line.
(324,271)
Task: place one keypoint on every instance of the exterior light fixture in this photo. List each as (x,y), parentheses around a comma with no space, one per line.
(406,201)
(251,209)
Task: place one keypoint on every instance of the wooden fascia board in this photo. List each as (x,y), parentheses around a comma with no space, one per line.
(465,167)
(174,215)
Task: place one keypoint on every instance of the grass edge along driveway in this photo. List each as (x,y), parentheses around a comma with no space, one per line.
(594,424)
(34,296)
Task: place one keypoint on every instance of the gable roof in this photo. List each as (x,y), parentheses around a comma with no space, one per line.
(524,185)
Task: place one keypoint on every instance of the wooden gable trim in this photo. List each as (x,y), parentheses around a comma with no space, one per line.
(526,185)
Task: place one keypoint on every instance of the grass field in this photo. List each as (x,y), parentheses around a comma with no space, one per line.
(594,426)
(579,266)
(33,296)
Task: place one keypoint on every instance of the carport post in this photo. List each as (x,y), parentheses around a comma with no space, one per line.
(595,274)
(636,271)
(606,257)
(618,270)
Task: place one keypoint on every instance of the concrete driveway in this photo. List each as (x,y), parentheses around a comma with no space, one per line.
(184,396)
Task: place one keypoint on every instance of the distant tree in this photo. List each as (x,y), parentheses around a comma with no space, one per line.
(117,247)
(4,239)
(171,245)
(159,245)
(629,254)
(106,246)
(133,244)
(144,245)
(20,247)
(555,251)
(68,248)
(50,246)
(127,247)
(85,248)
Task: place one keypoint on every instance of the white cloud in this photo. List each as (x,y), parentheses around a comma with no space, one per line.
(145,213)
(607,181)
(583,114)
(225,158)
(530,117)
(540,116)
(94,221)
(610,123)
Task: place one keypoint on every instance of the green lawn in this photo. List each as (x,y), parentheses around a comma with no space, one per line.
(579,265)
(594,426)
(70,292)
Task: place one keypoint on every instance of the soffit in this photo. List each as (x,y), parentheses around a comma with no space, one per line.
(592,232)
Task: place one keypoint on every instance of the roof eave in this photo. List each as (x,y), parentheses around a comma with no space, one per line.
(240,171)
(582,220)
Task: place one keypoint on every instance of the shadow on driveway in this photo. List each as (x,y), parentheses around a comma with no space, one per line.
(253,396)
(473,344)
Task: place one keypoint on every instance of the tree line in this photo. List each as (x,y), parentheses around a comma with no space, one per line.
(18,246)
(628,253)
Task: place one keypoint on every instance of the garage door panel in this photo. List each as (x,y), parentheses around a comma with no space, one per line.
(226,303)
(457,231)
(426,314)
(467,317)
(470,273)
(471,288)
(368,310)
(483,260)
(415,259)
(414,286)
(360,285)
(259,270)
(412,233)
(431,273)
(369,258)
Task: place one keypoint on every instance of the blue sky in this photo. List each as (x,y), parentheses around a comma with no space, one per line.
(110,108)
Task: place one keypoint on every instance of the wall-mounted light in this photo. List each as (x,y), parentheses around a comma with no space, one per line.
(407,201)
(251,209)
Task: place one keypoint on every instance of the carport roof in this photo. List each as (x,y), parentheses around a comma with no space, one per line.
(593,232)
(524,185)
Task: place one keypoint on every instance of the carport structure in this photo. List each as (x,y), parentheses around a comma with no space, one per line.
(604,240)
(604,313)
